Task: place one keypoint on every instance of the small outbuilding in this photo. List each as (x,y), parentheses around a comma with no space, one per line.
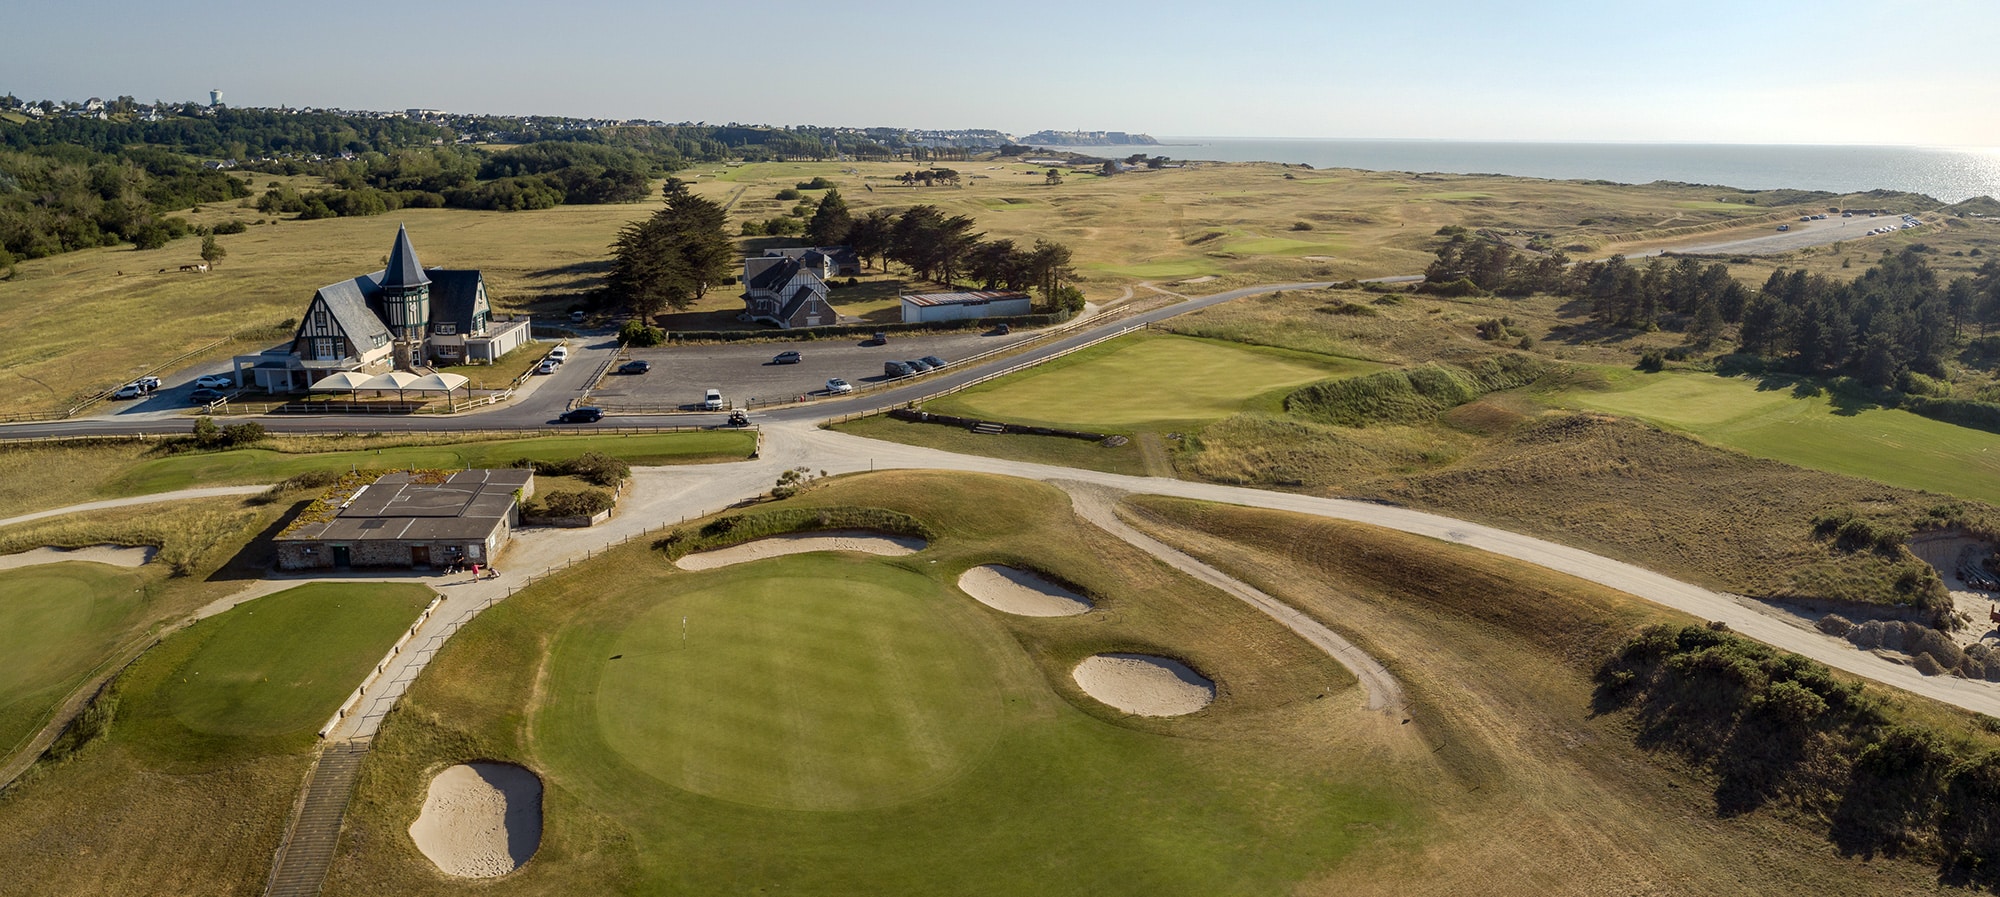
(410,519)
(963,306)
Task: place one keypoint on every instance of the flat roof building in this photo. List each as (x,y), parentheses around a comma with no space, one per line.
(406,519)
(960,306)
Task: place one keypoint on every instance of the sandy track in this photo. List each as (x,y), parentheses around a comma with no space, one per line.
(1144,685)
(115,555)
(800,543)
(178,495)
(1095,504)
(480,820)
(1021,592)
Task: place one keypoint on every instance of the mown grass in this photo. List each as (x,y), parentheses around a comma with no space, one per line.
(57,622)
(1770,418)
(1543,794)
(1024,784)
(1057,450)
(190,788)
(261,678)
(1147,381)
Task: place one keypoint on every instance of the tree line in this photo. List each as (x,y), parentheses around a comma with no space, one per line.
(56,199)
(1895,320)
(942,248)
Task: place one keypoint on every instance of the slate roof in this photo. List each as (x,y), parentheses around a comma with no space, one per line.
(467,506)
(774,277)
(348,301)
(966,297)
(804,294)
(404,270)
(454,296)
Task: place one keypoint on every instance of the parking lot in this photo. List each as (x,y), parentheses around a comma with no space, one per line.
(745,374)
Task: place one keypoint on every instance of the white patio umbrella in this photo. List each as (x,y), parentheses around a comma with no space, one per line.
(444,383)
(396,380)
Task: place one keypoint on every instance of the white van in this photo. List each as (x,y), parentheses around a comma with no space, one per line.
(560,354)
(713,400)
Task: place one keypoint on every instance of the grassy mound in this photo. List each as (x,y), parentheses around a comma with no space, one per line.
(262,678)
(1411,395)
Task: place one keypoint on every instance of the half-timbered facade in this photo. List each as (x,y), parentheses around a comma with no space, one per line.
(399,318)
(785,292)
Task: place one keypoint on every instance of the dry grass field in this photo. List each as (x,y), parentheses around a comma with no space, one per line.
(78,323)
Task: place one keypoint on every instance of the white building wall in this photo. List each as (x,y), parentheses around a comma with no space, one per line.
(997,308)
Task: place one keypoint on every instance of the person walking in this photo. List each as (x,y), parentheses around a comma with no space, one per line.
(475,571)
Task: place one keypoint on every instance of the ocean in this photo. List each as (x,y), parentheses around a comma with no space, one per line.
(1947,173)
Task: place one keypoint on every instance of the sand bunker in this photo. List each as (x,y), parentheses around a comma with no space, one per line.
(116,555)
(1144,685)
(1015,591)
(800,543)
(480,820)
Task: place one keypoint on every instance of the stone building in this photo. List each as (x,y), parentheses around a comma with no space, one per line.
(401,521)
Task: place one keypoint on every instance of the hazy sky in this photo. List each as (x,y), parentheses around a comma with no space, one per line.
(1744,71)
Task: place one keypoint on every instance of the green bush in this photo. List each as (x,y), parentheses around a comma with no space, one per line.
(788,194)
(572,503)
(641,334)
(736,529)
(595,468)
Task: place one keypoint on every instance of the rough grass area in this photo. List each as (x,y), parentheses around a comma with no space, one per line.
(1411,395)
(1540,793)
(1147,381)
(57,622)
(1039,449)
(192,536)
(262,678)
(1011,780)
(1775,418)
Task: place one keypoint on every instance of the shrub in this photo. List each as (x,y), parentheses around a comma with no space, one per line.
(641,334)
(1653,362)
(789,194)
(1413,395)
(572,503)
(231,226)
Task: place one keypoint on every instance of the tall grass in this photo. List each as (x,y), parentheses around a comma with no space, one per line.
(1412,395)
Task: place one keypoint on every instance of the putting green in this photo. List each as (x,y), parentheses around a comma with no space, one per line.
(833,685)
(1147,381)
(1882,444)
(57,622)
(265,675)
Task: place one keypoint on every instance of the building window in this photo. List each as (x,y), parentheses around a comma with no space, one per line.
(447,329)
(323,349)
(319,320)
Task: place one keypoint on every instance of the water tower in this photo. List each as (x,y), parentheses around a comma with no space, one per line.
(215,97)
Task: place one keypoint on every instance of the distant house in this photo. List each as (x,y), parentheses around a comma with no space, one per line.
(784,291)
(402,317)
(831,261)
(962,306)
(409,520)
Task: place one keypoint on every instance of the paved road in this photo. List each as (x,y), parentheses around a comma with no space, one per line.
(1768,240)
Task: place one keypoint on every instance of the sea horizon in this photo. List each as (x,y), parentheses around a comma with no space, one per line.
(1948,174)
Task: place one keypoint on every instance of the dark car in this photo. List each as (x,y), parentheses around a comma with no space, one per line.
(586,415)
(932,360)
(881,338)
(787,358)
(205,396)
(916,365)
(1002,330)
(739,418)
(635,367)
(896,369)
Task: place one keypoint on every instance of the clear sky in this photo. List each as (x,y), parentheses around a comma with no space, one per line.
(1744,71)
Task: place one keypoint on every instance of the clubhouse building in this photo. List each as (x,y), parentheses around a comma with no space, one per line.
(404,317)
(408,519)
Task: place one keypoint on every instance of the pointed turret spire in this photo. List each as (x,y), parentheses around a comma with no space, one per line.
(403,270)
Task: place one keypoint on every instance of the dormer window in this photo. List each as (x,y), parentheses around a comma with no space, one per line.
(447,329)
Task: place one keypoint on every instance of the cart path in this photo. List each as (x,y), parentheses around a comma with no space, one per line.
(176,495)
(1098,505)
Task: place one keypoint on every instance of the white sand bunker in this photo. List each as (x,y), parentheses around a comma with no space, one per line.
(480,820)
(1144,685)
(1023,592)
(800,543)
(115,555)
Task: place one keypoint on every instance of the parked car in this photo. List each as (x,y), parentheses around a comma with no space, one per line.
(1784,227)
(639,366)
(148,383)
(1002,329)
(839,387)
(129,391)
(576,317)
(548,367)
(559,353)
(896,369)
(916,365)
(588,414)
(881,338)
(215,381)
(205,396)
(712,400)
(932,360)
(787,358)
